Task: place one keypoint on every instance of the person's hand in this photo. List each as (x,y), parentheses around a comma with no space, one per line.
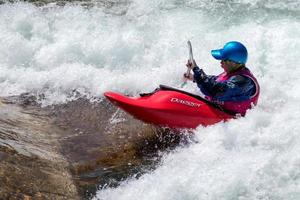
(191,64)
(188,76)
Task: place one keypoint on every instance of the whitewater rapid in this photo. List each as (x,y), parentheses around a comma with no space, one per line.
(133,47)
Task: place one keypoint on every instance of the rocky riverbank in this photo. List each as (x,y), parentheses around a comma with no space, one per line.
(31,165)
(66,151)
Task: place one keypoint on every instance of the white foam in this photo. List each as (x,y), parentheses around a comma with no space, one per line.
(56,50)
(249,158)
(49,50)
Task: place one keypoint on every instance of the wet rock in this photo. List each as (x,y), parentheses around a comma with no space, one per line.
(31,177)
(66,151)
(31,166)
(101,141)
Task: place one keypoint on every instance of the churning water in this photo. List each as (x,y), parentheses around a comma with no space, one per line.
(133,46)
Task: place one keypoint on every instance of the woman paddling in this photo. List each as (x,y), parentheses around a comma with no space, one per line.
(236,89)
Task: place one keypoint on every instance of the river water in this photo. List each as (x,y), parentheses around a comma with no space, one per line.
(132,46)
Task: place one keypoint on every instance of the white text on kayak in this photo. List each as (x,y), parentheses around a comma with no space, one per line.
(185,102)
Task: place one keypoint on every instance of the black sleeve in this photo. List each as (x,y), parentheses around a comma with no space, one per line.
(207,83)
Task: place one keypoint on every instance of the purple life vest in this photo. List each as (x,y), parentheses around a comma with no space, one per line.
(238,107)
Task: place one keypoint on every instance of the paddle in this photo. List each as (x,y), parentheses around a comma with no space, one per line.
(188,72)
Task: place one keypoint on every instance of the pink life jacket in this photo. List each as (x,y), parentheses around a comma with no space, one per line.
(238,107)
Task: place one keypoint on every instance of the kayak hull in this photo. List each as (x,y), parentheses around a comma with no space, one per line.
(172,108)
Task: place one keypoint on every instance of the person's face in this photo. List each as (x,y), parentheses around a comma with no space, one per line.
(229,66)
(226,65)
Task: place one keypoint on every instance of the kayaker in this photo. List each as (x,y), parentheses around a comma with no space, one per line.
(236,89)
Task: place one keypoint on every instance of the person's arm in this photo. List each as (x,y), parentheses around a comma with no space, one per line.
(206,83)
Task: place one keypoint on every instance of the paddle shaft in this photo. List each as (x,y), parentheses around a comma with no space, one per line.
(191,59)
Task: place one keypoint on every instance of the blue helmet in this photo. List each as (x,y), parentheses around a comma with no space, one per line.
(233,51)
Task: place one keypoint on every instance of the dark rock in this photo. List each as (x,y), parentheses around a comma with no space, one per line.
(65,151)
(31,166)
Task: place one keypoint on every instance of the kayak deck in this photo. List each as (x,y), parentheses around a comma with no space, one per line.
(170,107)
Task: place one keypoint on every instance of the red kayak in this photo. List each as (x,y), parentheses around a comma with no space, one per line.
(171,107)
